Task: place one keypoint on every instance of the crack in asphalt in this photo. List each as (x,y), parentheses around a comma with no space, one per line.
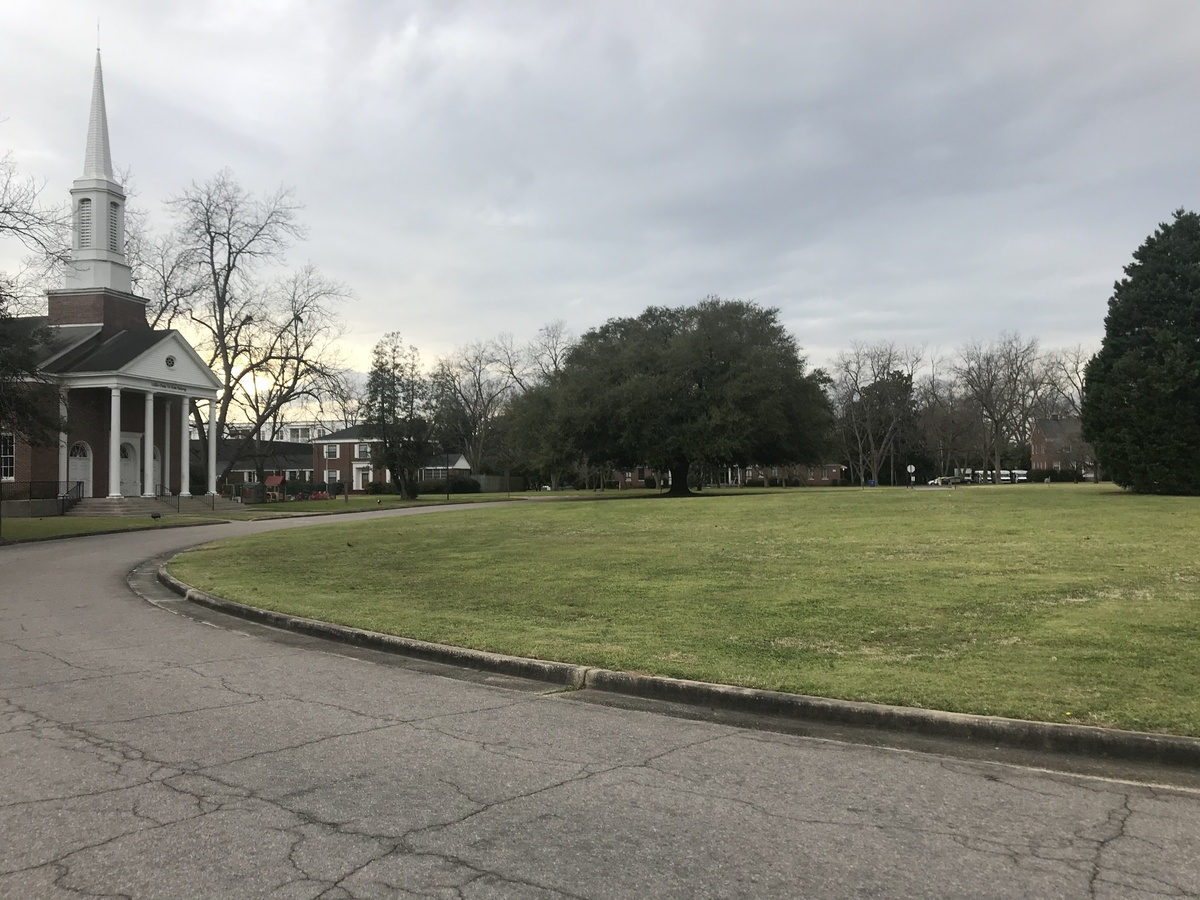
(338,850)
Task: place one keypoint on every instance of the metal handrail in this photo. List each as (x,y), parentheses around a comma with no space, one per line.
(163,494)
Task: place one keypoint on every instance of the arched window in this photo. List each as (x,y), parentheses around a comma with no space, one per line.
(125,454)
(113,237)
(80,451)
(85,224)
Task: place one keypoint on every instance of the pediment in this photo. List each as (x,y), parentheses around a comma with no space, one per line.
(172,362)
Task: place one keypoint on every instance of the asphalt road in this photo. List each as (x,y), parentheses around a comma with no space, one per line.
(150,754)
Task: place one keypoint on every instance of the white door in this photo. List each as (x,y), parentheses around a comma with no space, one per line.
(131,481)
(79,467)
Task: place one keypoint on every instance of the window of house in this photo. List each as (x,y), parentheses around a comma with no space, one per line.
(85,224)
(8,457)
(363,451)
(299,434)
(113,217)
(331,475)
(331,451)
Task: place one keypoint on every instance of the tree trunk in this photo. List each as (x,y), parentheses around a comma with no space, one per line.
(408,485)
(679,479)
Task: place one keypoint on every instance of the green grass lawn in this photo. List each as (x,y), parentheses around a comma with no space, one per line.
(1062,603)
(367,502)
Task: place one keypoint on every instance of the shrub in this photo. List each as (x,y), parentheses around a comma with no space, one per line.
(458,485)
(1039,476)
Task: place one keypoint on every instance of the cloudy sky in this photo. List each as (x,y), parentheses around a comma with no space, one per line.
(924,171)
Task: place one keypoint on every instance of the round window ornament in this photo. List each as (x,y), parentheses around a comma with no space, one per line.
(170,362)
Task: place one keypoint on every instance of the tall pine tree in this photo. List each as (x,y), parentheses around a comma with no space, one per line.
(1141,410)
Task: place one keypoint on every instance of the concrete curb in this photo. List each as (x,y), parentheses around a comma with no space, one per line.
(1107,743)
(540,670)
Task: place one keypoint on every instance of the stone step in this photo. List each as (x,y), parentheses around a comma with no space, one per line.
(146,506)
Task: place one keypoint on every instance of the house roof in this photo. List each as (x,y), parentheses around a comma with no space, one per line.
(353,433)
(1057,428)
(83,350)
(457,461)
(282,455)
(113,354)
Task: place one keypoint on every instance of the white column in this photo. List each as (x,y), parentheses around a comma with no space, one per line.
(62,442)
(185,452)
(166,453)
(114,445)
(212,446)
(148,448)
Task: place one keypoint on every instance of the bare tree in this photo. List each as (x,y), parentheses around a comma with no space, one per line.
(344,395)
(43,230)
(538,361)
(27,403)
(1009,381)
(1066,371)
(164,271)
(472,388)
(873,401)
(269,342)
(947,419)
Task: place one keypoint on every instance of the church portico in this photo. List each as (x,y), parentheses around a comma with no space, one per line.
(137,448)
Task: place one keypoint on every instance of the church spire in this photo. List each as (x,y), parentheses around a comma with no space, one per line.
(97,162)
(98,204)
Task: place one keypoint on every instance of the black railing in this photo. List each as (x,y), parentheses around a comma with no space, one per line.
(164,495)
(72,495)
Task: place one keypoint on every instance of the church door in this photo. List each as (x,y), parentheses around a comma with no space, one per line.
(79,467)
(131,481)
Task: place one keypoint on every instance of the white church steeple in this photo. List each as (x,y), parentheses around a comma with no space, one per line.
(98,205)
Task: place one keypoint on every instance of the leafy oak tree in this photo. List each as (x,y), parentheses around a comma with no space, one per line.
(1141,410)
(720,382)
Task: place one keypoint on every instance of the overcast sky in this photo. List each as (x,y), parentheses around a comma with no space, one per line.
(924,171)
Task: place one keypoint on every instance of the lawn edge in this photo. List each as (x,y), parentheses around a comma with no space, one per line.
(4,542)
(1083,740)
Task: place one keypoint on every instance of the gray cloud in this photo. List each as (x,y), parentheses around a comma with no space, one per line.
(928,171)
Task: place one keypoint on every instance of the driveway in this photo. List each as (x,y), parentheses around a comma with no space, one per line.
(148,753)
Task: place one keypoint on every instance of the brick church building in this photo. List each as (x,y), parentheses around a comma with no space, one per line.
(124,389)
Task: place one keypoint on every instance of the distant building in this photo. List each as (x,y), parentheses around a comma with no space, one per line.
(1057,445)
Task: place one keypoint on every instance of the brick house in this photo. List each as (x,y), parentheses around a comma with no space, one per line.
(345,456)
(125,390)
(1057,444)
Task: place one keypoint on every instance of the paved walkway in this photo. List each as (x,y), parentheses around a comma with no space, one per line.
(146,754)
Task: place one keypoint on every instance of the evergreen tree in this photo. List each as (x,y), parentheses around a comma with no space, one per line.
(1141,410)
(399,412)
